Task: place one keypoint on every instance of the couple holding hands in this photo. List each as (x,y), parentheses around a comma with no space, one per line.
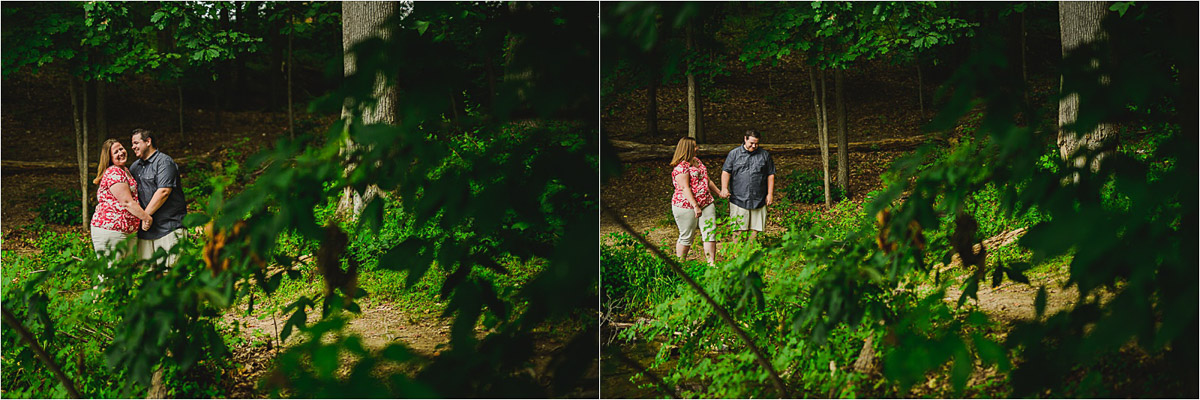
(143,197)
(747,180)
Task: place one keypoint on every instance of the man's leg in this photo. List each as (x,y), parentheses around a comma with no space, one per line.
(167,243)
(740,219)
(708,227)
(757,221)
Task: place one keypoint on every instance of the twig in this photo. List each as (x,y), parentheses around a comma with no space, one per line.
(758,354)
(41,353)
(644,371)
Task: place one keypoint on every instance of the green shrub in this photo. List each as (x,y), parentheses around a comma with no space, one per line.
(60,207)
(807,186)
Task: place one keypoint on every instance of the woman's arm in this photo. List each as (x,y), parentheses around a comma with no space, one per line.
(121,191)
(712,186)
(681,180)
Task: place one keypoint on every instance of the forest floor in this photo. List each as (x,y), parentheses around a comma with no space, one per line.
(37,127)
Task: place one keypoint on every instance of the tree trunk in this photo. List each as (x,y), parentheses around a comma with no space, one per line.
(825,139)
(360,21)
(101,111)
(1024,61)
(695,104)
(79,114)
(1080,24)
(291,33)
(179,90)
(812,83)
(843,161)
(920,89)
(652,97)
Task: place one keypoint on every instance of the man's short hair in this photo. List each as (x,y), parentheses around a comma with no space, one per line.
(146,136)
(754,133)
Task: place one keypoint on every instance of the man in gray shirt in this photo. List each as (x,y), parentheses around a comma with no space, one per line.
(160,193)
(748,181)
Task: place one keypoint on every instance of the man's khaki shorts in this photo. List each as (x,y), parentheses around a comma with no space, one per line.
(146,248)
(743,219)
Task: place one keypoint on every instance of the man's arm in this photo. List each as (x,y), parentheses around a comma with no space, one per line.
(160,197)
(724,184)
(770,189)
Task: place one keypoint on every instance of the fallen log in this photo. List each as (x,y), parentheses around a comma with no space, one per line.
(11,166)
(632,151)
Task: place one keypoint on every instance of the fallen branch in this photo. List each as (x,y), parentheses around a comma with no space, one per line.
(41,353)
(10,166)
(758,354)
(633,151)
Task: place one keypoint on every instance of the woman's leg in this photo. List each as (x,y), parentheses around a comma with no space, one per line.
(710,252)
(681,250)
(110,244)
(686,220)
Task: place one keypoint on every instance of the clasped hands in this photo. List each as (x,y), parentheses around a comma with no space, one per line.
(146,223)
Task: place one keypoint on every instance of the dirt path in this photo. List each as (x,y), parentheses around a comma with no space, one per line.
(378,326)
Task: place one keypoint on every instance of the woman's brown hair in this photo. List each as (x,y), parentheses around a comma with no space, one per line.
(105,159)
(684,151)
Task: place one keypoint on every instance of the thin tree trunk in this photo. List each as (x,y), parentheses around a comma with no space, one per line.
(843,162)
(179,90)
(1024,64)
(652,100)
(825,139)
(920,89)
(291,33)
(79,145)
(101,111)
(1080,24)
(812,83)
(695,104)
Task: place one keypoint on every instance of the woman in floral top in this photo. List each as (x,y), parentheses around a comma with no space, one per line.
(118,214)
(692,202)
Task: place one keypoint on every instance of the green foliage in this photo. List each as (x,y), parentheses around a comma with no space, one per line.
(632,279)
(807,186)
(76,317)
(59,207)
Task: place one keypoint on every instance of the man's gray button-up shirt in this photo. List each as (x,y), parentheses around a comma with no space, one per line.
(159,171)
(748,172)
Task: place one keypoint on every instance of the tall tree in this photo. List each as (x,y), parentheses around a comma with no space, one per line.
(1080,25)
(694,100)
(361,21)
(843,153)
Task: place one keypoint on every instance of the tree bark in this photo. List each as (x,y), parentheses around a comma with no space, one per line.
(291,33)
(1080,24)
(179,90)
(843,161)
(695,103)
(920,89)
(825,139)
(360,21)
(652,96)
(83,173)
(80,149)
(101,111)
